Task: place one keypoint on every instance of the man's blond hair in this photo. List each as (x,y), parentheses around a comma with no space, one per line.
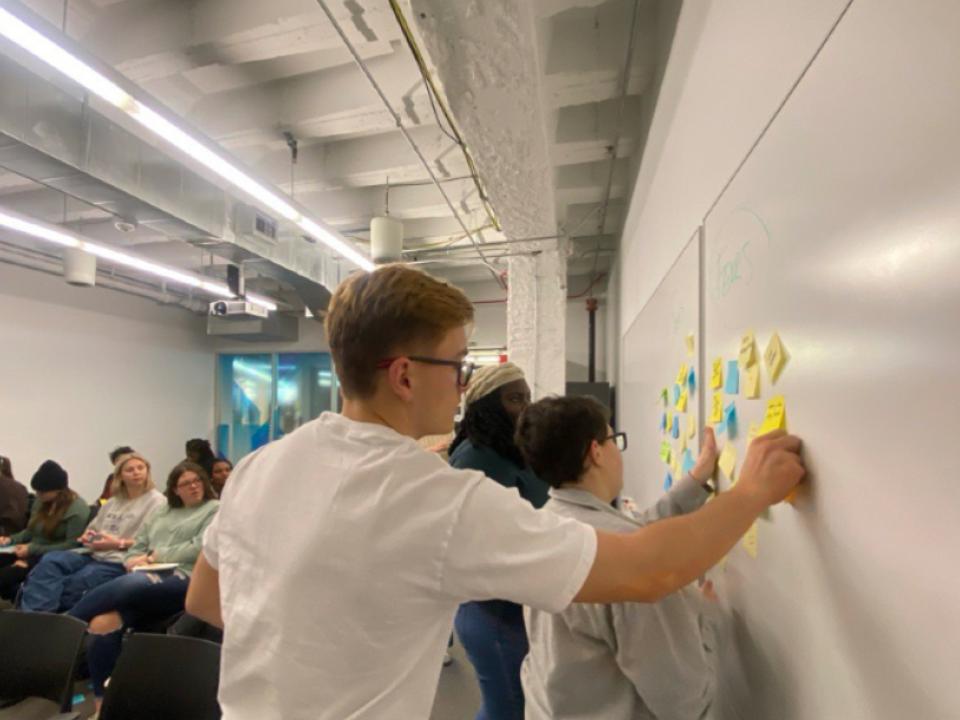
(390,311)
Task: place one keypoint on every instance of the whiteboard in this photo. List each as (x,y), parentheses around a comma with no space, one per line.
(842,233)
(653,349)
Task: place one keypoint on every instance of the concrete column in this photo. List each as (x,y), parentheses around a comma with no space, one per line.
(536,319)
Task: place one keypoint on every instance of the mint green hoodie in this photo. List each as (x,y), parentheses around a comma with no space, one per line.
(175,535)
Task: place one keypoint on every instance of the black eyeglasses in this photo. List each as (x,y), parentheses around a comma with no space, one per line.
(620,439)
(464,368)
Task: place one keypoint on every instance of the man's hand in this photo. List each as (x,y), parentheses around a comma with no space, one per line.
(772,468)
(707,460)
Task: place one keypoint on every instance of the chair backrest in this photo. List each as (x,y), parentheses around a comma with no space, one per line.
(39,656)
(164,677)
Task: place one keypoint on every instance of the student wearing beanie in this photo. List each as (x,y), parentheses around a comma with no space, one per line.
(61,578)
(492,631)
(58,519)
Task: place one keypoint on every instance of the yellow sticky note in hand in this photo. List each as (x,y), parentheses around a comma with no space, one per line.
(728,460)
(748,349)
(716,377)
(682,375)
(750,541)
(775,356)
(690,344)
(682,402)
(776,417)
(716,414)
(751,381)
(691,426)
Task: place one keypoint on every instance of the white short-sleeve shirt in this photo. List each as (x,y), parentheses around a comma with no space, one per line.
(344,550)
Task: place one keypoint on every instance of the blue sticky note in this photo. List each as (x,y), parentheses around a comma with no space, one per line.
(692,380)
(720,427)
(733,378)
(730,420)
(675,430)
(663,422)
(78,699)
(668,482)
(676,393)
(688,461)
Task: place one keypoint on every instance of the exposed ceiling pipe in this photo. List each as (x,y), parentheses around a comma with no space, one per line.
(406,134)
(624,84)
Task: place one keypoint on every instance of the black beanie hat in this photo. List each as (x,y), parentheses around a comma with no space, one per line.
(49,476)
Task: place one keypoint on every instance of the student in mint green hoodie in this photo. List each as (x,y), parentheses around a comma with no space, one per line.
(172,535)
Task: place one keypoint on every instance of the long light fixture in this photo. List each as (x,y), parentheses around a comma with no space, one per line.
(45,49)
(51,233)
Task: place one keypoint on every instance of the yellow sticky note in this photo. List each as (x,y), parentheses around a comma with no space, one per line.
(728,460)
(748,349)
(669,420)
(750,541)
(682,375)
(675,465)
(716,377)
(690,344)
(751,381)
(776,417)
(691,426)
(682,402)
(775,356)
(716,414)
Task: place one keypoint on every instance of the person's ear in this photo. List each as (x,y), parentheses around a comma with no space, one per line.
(398,377)
(594,455)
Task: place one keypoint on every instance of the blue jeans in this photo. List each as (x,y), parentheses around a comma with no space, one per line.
(495,639)
(139,598)
(61,578)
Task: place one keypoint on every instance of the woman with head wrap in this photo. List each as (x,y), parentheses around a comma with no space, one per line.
(492,631)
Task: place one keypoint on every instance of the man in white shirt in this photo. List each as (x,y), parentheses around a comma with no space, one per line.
(341,552)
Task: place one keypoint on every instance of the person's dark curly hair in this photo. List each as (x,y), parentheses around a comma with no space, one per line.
(555,434)
(486,423)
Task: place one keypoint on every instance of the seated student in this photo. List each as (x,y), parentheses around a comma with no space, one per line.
(219,474)
(61,578)
(624,661)
(58,518)
(173,534)
(108,483)
(492,631)
(13,501)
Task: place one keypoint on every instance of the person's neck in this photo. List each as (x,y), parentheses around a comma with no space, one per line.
(594,484)
(370,411)
(134,493)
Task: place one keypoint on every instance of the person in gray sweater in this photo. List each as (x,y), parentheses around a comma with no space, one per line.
(625,661)
(61,579)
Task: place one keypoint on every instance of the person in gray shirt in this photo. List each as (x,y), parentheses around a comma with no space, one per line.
(62,578)
(625,661)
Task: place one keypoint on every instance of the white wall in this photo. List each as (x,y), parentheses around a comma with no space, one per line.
(86,369)
(731,65)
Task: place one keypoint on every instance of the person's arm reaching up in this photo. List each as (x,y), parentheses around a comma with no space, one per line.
(656,560)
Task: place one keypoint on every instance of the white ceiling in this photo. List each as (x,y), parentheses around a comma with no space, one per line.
(246,71)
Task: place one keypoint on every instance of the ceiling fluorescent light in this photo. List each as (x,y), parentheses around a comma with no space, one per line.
(45,49)
(43,231)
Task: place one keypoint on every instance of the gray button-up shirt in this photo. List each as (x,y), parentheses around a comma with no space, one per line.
(625,661)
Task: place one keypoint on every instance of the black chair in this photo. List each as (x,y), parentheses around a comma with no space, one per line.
(164,677)
(39,657)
